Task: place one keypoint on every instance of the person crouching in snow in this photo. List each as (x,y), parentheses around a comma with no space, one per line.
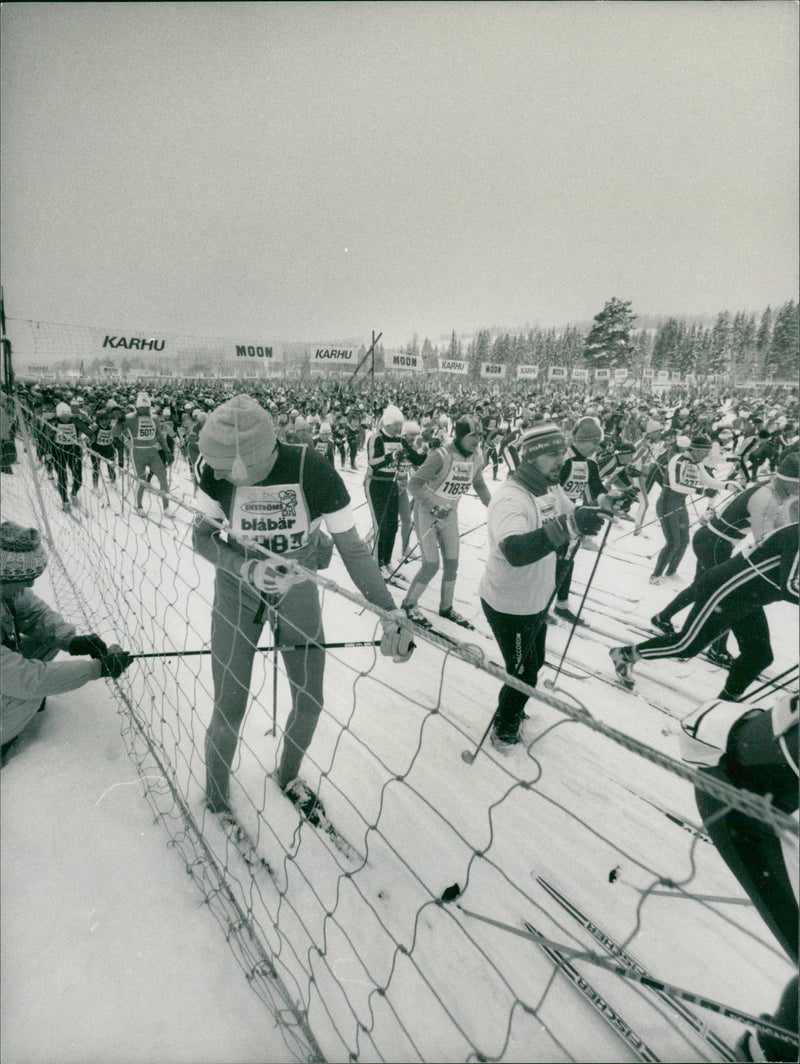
(32,636)
(244,470)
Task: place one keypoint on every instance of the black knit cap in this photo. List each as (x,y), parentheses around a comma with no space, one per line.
(466,424)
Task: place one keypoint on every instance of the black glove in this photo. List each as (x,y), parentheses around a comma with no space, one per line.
(626,500)
(586,519)
(115,662)
(92,645)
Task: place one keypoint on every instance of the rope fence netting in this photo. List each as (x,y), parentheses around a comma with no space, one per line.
(363,952)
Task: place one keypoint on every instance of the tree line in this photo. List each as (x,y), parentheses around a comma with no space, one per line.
(741,345)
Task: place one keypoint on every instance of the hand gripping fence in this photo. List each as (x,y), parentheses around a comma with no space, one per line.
(352,951)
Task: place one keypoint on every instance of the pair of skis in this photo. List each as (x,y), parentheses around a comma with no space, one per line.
(246,847)
(633,967)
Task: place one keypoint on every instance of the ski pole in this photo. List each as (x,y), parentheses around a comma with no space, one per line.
(772,682)
(775,687)
(296,646)
(275,673)
(730,1011)
(552,683)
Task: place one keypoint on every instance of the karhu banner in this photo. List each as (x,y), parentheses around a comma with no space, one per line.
(453,365)
(333,356)
(493,370)
(527,373)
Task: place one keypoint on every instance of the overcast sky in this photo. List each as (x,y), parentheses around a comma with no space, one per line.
(315,171)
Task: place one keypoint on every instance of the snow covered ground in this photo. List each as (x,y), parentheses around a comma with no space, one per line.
(107,953)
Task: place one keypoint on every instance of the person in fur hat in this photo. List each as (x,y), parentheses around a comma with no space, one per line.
(32,636)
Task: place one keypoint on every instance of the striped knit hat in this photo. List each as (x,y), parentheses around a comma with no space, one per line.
(21,553)
(543,437)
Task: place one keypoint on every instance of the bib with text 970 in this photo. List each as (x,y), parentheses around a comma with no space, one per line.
(578,481)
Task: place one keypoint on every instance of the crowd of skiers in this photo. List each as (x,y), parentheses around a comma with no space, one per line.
(571,464)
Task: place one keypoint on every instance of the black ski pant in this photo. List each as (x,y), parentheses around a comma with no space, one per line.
(675,526)
(384,506)
(68,463)
(564,567)
(710,550)
(352,446)
(493,457)
(721,605)
(754,854)
(521,639)
(108,454)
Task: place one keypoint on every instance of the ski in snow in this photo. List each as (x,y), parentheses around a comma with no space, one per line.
(327,829)
(614,949)
(620,1026)
(674,818)
(243,843)
(468,625)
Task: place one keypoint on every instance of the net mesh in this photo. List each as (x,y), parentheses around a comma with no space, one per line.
(352,941)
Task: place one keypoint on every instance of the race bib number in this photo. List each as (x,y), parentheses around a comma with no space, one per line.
(66,433)
(689,475)
(457,482)
(578,481)
(546,508)
(146,429)
(275,516)
(104,438)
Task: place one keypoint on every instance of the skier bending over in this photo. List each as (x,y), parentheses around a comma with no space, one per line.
(243,471)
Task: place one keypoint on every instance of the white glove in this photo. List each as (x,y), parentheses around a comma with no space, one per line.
(397,642)
(438,513)
(270,578)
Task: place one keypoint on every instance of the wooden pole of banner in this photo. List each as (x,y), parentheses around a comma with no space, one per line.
(372,374)
(369,353)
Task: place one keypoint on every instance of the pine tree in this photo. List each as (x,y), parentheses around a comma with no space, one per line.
(669,345)
(720,348)
(784,351)
(429,354)
(763,340)
(743,345)
(501,348)
(609,341)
